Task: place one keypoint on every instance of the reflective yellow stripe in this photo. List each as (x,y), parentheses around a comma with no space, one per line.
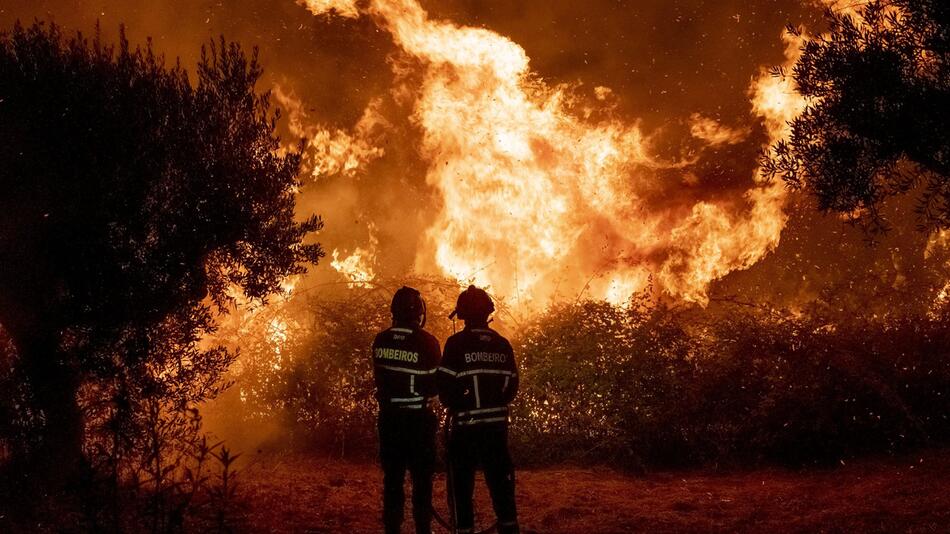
(486,372)
(407,399)
(478,399)
(448,371)
(407,370)
(489,420)
(483,410)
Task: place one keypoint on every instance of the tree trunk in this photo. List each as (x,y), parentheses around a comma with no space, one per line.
(57,455)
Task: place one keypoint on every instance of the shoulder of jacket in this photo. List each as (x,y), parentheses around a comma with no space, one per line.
(458,336)
(456,339)
(492,332)
(423,333)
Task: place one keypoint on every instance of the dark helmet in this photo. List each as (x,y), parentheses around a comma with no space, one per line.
(408,306)
(473,303)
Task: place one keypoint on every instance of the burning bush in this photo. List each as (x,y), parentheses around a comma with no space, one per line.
(304,369)
(642,384)
(656,386)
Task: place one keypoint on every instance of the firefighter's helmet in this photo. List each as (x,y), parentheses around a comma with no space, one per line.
(408,306)
(473,304)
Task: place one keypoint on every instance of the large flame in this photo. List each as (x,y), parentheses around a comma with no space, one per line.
(540,201)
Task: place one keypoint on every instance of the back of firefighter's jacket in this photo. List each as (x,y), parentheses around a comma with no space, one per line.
(478,377)
(405,359)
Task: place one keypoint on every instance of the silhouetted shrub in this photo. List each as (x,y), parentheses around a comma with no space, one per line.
(655,387)
(648,385)
(137,203)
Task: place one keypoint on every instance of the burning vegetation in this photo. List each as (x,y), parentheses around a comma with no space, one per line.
(673,296)
(561,207)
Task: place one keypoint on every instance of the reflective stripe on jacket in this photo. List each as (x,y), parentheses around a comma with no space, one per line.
(405,360)
(478,377)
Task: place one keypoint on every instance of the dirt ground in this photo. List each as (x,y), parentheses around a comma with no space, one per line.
(294,493)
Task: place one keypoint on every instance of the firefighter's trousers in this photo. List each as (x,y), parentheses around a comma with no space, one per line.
(483,445)
(407,441)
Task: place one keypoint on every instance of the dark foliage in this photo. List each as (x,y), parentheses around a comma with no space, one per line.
(131,202)
(878,91)
(656,387)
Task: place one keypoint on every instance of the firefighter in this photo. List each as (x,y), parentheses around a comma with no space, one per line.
(477,379)
(405,358)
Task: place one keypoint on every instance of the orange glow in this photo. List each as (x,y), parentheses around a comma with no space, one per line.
(774,98)
(333,151)
(344,8)
(938,244)
(269,325)
(538,200)
(357,267)
(712,132)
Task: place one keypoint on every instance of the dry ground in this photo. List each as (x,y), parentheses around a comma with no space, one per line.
(294,493)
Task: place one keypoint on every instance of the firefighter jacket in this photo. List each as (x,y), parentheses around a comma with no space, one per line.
(478,377)
(405,359)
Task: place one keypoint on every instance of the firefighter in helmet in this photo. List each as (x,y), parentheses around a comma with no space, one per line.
(405,358)
(477,379)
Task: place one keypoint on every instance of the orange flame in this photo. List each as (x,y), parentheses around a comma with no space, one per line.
(344,8)
(334,151)
(712,241)
(713,133)
(939,244)
(357,268)
(539,200)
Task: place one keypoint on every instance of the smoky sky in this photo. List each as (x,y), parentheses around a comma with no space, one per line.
(664,60)
(662,57)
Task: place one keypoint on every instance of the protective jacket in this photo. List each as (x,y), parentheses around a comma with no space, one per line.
(405,359)
(478,377)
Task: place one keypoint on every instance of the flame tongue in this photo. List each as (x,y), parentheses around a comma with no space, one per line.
(537,201)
